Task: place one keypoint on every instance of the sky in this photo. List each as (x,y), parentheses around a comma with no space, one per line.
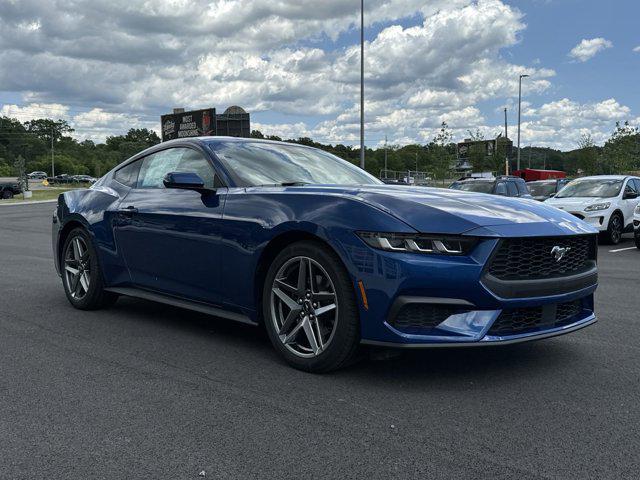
(107,66)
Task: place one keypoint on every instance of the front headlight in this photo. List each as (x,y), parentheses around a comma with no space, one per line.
(597,206)
(419,243)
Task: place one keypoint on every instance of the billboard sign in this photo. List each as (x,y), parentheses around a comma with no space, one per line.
(188,124)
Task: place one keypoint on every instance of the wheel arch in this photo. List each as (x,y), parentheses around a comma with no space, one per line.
(271,251)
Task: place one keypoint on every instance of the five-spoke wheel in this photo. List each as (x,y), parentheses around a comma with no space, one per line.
(81,274)
(303,306)
(309,308)
(77,267)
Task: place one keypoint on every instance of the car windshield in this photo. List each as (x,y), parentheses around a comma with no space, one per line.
(591,187)
(480,187)
(542,189)
(261,163)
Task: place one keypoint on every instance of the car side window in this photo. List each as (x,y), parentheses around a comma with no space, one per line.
(128,175)
(512,189)
(522,188)
(501,189)
(630,187)
(156,166)
(637,182)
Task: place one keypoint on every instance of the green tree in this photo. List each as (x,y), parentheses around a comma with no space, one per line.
(477,151)
(587,159)
(622,150)
(442,155)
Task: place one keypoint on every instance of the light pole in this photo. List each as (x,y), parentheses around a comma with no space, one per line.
(519,109)
(362,84)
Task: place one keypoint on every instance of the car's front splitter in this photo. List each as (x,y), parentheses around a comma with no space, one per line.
(488,340)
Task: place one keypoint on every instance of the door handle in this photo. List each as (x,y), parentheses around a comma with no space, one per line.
(130,210)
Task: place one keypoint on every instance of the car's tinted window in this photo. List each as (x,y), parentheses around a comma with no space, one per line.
(637,181)
(471,186)
(156,166)
(501,189)
(261,163)
(522,188)
(128,175)
(542,189)
(631,186)
(512,189)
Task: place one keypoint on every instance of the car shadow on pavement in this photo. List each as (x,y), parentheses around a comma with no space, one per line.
(239,346)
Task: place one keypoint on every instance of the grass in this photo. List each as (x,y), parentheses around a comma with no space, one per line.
(38,195)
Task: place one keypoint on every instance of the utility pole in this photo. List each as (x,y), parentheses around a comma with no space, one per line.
(506,132)
(385,155)
(362,84)
(529,155)
(519,111)
(53,166)
(416,163)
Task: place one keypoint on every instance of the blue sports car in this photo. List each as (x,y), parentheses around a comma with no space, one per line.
(321,253)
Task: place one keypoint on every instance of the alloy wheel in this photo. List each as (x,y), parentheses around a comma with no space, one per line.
(304,307)
(616,229)
(77,268)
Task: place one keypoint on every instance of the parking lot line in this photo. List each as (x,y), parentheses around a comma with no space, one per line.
(622,249)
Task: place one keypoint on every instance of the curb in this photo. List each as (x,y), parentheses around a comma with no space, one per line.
(2,204)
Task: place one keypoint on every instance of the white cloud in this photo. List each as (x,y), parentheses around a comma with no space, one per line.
(588,48)
(637,49)
(126,61)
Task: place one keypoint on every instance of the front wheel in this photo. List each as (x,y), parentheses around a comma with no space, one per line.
(613,235)
(81,275)
(7,194)
(637,238)
(309,308)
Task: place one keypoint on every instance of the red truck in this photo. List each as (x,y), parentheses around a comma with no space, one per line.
(532,174)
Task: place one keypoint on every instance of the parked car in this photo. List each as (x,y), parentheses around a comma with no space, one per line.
(62,178)
(84,179)
(636,226)
(9,189)
(542,189)
(606,202)
(507,186)
(37,175)
(321,253)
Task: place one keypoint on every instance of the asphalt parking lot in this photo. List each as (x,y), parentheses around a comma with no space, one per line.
(147,391)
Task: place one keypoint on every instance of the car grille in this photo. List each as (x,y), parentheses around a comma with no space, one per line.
(522,320)
(531,258)
(423,316)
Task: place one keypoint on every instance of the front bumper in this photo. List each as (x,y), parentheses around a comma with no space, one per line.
(458,283)
(598,219)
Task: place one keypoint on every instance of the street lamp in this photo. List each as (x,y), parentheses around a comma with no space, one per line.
(519,109)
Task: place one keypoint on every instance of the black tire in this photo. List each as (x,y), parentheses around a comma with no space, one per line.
(343,344)
(7,194)
(613,235)
(95,297)
(637,239)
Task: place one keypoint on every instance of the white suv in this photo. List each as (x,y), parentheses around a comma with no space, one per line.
(636,225)
(607,202)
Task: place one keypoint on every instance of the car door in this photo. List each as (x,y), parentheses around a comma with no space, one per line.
(171,238)
(629,201)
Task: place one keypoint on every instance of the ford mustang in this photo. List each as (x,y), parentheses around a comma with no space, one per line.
(322,254)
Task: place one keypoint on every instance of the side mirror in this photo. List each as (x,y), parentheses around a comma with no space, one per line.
(184,181)
(630,196)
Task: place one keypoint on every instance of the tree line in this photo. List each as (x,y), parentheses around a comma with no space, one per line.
(36,141)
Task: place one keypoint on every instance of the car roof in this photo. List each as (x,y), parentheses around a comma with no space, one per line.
(606,177)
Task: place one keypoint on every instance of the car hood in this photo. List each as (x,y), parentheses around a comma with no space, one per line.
(439,210)
(569,203)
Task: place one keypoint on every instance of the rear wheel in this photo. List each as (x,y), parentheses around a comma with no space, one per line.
(613,235)
(81,275)
(6,194)
(310,308)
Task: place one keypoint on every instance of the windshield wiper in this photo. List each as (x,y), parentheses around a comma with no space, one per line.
(284,184)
